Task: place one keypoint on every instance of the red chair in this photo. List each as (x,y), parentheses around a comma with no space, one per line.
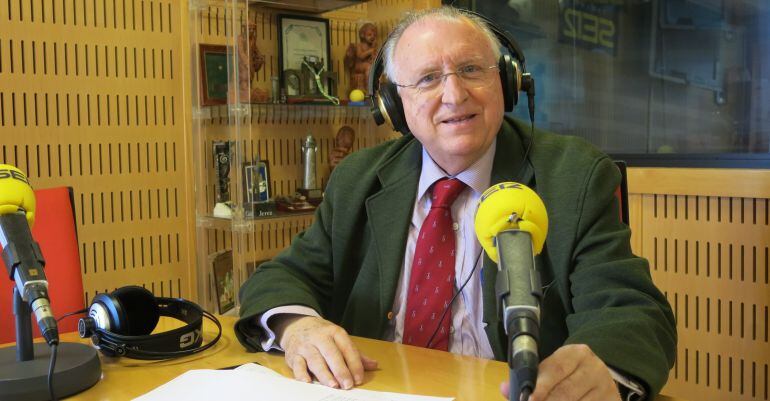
(56,233)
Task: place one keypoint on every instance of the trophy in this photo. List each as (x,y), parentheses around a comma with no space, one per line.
(222,167)
(309,187)
(311,81)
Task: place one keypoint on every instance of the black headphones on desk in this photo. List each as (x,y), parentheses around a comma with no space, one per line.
(386,102)
(120,323)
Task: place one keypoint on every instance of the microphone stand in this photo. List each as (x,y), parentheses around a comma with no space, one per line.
(517,287)
(21,313)
(24,368)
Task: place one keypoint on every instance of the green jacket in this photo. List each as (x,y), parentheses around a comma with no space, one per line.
(347,264)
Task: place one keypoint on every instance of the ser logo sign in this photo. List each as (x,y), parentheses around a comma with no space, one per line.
(590,26)
(13,174)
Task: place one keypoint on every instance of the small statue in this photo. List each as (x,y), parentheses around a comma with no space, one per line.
(343,144)
(360,56)
(250,60)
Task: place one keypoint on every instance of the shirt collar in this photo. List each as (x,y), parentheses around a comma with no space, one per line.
(477,176)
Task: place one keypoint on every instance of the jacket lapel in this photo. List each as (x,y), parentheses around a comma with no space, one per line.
(390,211)
(509,147)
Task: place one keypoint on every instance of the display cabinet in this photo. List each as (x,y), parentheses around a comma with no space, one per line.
(265,127)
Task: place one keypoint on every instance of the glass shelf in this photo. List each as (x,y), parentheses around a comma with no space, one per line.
(244,224)
(278,110)
(310,6)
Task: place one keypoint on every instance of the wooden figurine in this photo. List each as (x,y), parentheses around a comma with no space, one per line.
(360,56)
(343,145)
(250,60)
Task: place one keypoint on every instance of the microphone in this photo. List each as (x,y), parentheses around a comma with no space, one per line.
(511,224)
(21,253)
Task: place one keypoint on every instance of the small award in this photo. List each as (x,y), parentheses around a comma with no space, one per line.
(256,190)
(222,167)
(310,189)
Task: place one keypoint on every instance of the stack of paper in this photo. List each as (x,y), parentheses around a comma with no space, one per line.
(254,382)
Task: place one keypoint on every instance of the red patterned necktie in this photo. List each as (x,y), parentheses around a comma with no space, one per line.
(431,282)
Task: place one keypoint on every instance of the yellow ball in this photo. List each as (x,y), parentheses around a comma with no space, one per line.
(357,95)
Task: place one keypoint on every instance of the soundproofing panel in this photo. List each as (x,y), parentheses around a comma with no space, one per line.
(92,96)
(706,235)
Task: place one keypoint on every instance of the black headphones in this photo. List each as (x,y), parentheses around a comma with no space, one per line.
(120,324)
(386,103)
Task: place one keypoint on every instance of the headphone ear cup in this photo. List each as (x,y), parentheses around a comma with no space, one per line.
(391,107)
(140,310)
(510,78)
(107,313)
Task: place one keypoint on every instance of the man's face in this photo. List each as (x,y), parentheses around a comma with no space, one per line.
(458,122)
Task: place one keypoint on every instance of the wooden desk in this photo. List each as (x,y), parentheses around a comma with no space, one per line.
(403,368)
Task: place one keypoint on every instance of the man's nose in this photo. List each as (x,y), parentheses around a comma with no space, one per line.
(454,90)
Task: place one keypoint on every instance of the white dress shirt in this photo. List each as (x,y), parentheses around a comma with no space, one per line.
(467,334)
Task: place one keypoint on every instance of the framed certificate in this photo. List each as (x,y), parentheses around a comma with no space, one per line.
(301,37)
(213,73)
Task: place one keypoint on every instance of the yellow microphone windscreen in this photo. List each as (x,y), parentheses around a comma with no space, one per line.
(16,193)
(496,210)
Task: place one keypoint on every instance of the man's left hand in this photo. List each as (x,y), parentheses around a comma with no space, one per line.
(572,373)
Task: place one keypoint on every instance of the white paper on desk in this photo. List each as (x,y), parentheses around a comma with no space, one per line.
(254,382)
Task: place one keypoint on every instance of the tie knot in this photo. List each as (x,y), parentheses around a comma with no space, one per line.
(445,191)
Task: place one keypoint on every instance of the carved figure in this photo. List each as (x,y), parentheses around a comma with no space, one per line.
(360,56)
(250,60)
(343,144)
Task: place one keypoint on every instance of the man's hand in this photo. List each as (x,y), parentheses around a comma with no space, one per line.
(573,372)
(317,346)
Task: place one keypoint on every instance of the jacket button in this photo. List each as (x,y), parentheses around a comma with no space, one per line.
(390,315)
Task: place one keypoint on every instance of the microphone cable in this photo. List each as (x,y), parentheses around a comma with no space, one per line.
(66,315)
(51,369)
(52,361)
(451,301)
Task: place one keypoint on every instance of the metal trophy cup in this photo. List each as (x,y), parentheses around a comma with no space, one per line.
(222,167)
(309,187)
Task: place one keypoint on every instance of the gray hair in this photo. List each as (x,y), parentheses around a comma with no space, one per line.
(444,13)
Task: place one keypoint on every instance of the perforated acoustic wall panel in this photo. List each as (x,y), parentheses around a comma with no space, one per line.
(91,97)
(706,234)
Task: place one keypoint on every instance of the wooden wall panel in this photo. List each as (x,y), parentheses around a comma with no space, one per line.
(706,235)
(91,96)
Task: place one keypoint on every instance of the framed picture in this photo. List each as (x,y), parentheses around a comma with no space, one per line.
(301,38)
(213,72)
(256,182)
(222,269)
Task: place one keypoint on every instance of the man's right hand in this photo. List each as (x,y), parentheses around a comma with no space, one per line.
(318,346)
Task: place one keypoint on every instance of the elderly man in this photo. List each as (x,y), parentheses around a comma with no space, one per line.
(355,269)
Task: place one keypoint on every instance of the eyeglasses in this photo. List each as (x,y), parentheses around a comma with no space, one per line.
(471,76)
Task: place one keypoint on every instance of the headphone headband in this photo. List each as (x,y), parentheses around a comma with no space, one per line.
(173,343)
